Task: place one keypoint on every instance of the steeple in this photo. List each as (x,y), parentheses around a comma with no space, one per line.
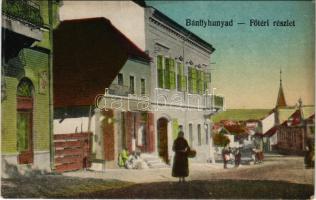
(281,99)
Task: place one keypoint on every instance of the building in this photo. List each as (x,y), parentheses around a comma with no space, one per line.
(109,77)
(180,82)
(179,77)
(296,132)
(287,128)
(26,85)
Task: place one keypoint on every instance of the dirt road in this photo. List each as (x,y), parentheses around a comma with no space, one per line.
(278,177)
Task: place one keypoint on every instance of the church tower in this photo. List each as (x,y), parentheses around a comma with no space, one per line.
(281,98)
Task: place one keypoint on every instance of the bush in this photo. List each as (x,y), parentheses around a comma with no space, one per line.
(220,139)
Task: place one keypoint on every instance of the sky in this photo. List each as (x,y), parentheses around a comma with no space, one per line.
(247,61)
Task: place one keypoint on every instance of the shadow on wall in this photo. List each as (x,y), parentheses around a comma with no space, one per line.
(14,171)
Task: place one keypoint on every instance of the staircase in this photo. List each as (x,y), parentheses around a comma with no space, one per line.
(153,161)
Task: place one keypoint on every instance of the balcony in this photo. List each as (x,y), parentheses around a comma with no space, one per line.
(119,90)
(23,10)
(218,101)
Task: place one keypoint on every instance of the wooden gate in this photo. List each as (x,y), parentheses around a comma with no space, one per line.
(72,151)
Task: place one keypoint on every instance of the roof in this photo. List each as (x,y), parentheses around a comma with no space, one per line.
(271,131)
(281,98)
(293,115)
(308,111)
(88,55)
(241,114)
(159,15)
(140,3)
(285,113)
(236,129)
(131,49)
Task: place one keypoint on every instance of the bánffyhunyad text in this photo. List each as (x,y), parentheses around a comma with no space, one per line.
(229,23)
(204,23)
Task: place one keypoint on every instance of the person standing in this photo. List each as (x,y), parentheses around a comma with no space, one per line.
(225,155)
(180,166)
(237,157)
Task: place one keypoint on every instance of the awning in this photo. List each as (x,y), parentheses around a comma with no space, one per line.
(88,54)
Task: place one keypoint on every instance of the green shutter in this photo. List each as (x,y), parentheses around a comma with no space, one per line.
(190,79)
(184,83)
(181,78)
(172,74)
(160,71)
(167,74)
(193,80)
(201,82)
(175,128)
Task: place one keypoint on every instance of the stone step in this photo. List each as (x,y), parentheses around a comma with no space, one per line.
(153,161)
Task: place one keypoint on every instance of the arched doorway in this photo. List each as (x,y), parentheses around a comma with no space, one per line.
(162,134)
(24,121)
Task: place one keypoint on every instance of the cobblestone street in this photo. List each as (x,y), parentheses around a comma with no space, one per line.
(278,177)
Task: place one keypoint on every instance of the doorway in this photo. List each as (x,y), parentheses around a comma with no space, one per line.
(25,122)
(162,133)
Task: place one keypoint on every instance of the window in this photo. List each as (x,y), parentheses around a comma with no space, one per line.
(191,135)
(199,134)
(182,79)
(120,79)
(132,85)
(206,134)
(142,86)
(166,74)
(170,75)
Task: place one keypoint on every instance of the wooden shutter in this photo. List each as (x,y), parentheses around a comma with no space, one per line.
(181,78)
(184,83)
(194,80)
(201,82)
(172,74)
(108,135)
(175,128)
(190,80)
(150,132)
(167,73)
(160,71)
(129,129)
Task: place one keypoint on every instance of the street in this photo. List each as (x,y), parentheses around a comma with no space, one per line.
(277,177)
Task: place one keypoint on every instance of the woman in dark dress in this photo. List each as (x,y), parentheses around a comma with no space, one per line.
(180,163)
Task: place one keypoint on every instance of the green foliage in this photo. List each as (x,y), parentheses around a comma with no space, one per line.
(24,10)
(240,114)
(25,89)
(220,139)
(175,128)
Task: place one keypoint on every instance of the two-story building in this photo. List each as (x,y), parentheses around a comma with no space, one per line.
(175,85)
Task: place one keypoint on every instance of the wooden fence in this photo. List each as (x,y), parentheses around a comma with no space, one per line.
(72,151)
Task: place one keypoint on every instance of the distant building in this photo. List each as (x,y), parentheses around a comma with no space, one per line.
(287,128)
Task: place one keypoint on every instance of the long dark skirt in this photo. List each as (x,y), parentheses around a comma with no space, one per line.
(180,166)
